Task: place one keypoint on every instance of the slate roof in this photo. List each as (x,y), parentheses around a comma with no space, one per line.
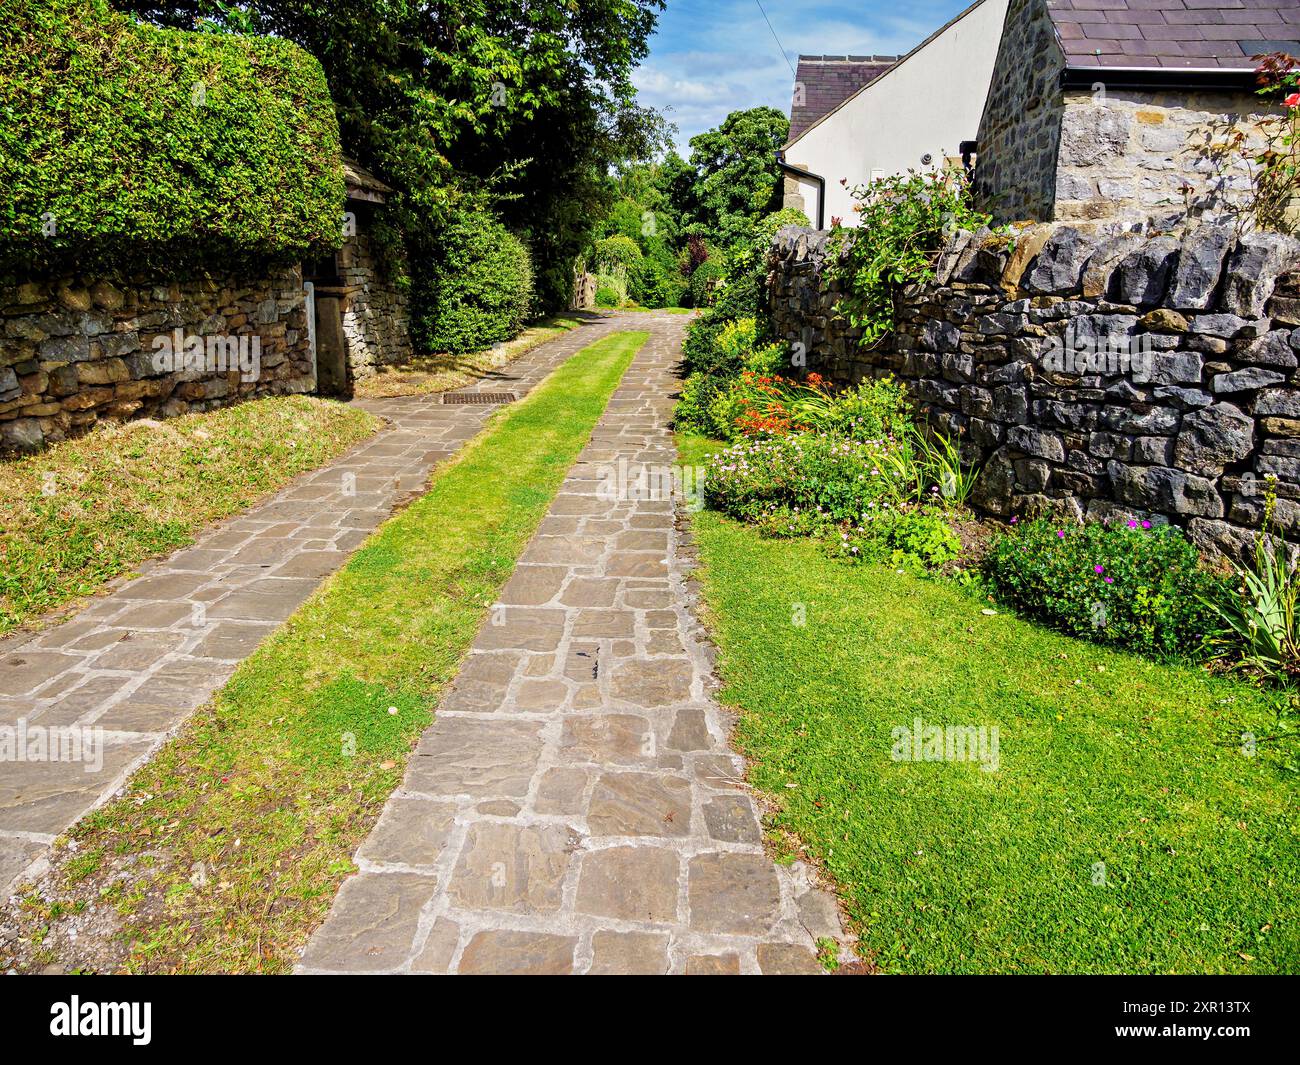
(1202,34)
(829,80)
(362,184)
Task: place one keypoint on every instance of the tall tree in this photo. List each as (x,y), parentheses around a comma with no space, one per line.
(737,180)
(520,103)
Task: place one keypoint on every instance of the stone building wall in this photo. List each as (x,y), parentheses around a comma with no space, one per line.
(1021,129)
(375,319)
(1139,155)
(1104,372)
(74,351)
(1048,153)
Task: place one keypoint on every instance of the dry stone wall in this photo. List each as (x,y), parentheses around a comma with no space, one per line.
(75,351)
(1108,373)
(376,322)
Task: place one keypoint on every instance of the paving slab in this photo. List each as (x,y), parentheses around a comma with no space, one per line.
(598,821)
(136,661)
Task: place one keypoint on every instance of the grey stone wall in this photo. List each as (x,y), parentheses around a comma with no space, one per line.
(1145,154)
(1105,372)
(375,319)
(77,350)
(1020,131)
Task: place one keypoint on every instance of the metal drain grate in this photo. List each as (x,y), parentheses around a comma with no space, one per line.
(478,398)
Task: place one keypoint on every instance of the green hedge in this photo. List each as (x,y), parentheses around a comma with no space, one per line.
(149,147)
(479,289)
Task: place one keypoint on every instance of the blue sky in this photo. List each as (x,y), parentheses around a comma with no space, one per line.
(711,57)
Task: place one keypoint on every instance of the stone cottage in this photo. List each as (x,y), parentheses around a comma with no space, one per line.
(1111,109)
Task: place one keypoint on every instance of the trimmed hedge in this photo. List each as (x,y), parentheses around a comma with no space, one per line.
(479,290)
(146,147)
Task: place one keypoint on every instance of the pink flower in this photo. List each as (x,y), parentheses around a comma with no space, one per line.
(1146,525)
(1132,524)
(1060,534)
(1110,580)
(1098,569)
(1293,100)
(1014,520)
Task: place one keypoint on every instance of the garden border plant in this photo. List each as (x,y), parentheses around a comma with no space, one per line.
(903,222)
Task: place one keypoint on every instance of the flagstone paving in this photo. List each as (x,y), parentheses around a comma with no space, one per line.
(574,807)
(136,662)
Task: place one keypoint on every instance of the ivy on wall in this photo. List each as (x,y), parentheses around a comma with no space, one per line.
(124,146)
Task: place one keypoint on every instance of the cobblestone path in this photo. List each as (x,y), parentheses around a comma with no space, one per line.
(574,807)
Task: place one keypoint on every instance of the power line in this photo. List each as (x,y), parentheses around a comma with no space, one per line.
(777,39)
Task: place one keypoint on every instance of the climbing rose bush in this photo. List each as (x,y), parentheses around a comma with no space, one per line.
(1125,583)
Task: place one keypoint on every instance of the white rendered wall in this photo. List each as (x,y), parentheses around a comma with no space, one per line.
(928,104)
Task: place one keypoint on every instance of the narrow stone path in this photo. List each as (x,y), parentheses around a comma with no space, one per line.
(574,807)
(137,662)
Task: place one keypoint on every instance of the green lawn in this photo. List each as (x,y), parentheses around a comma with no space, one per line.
(90,509)
(1124,830)
(424,375)
(269,791)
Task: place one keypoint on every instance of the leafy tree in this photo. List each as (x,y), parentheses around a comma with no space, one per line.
(736,180)
(521,105)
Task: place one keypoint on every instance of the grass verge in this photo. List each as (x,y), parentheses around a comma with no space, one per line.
(1125,830)
(86,511)
(443,373)
(225,851)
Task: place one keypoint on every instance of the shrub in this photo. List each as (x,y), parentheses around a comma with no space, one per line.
(902,224)
(841,478)
(479,290)
(738,348)
(1123,583)
(661,285)
(699,347)
(706,279)
(743,295)
(607,296)
(731,347)
(917,539)
(617,253)
(123,145)
(693,412)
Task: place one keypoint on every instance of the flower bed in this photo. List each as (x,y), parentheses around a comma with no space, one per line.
(1123,583)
